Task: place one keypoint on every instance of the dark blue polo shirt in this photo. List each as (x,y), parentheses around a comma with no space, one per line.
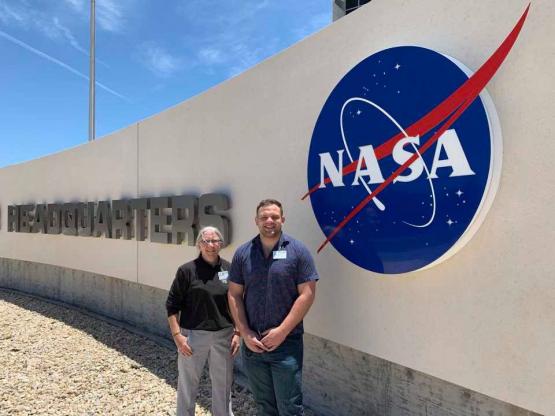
(270,284)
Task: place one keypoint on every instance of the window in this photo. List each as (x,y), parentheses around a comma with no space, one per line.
(352,5)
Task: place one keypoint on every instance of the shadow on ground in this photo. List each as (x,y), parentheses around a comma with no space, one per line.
(159,359)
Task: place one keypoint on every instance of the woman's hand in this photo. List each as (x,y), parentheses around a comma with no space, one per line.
(182,344)
(235,343)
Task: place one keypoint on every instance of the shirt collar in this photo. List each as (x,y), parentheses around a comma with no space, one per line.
(201,262)
(283,241)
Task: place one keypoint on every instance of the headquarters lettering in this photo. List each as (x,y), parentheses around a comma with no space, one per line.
(167,220)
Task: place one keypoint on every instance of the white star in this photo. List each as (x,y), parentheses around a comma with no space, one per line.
(450,222)
(352,241)
(397,66)
(459,193)
(359,112)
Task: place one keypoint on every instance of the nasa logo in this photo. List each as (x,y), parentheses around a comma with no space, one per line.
(405,158)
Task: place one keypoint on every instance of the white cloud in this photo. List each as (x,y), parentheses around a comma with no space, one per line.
(233,39)
(314,24)
(21,15)
(245,55)
(229,12)
(8,14)
(109,15)
(68,36)
(228,40)
(211,55)
(78,5)
(58,62)
(158,60)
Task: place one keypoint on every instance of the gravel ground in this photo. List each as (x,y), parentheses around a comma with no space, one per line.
(58,361)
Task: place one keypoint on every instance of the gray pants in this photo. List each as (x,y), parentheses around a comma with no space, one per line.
(214,346)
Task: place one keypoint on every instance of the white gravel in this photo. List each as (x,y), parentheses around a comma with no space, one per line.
(59,361)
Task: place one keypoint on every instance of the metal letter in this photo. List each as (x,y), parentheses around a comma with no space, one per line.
(41,219)
(160,223)
(140,206)
(13,218)
(69,218)
(210,208)
(54,219)
(85,218)
(25,218)
(122,217)
(102,220)
(184,214)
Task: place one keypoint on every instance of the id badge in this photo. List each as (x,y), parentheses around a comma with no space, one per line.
(223,276)
(280,255)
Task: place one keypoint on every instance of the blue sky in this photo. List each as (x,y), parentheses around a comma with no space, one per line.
(150,56)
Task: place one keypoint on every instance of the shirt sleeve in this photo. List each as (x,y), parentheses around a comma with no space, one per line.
(176,295)
(236,269)
(306,269)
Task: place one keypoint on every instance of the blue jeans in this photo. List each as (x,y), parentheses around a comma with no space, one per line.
(275,378)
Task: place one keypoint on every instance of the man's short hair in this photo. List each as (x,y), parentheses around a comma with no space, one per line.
(266,202)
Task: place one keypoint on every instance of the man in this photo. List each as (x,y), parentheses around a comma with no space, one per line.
(272,284)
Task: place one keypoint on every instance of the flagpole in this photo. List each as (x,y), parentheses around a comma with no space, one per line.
(91,74)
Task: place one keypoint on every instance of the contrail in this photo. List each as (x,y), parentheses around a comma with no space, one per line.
(59,63)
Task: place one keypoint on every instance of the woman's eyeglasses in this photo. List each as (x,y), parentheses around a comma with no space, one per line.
(206,242)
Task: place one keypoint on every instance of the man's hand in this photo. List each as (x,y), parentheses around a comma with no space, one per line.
(273,338)
(254,343)
(235,343)
(182,344)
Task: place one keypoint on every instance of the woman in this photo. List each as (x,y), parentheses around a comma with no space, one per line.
(201,326)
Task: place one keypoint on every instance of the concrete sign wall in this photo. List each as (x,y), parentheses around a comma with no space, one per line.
(483,319)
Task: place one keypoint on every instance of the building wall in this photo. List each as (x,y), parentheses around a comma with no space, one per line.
(483,319)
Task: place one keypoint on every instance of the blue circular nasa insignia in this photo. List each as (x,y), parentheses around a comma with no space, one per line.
(394,186)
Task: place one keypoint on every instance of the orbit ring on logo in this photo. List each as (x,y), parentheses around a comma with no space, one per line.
(405,158)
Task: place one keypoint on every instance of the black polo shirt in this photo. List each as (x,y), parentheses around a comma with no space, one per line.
(199,292)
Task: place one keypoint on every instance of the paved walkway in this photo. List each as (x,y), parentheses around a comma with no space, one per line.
(59,361)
